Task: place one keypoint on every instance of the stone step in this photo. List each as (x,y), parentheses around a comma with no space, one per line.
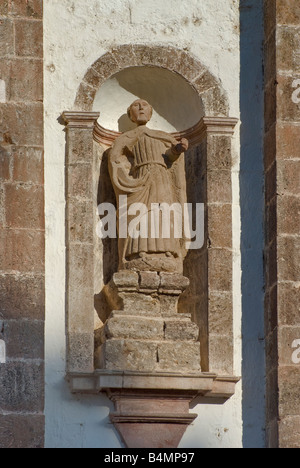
(177,328)
(168,356)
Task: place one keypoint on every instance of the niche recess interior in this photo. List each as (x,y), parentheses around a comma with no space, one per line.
(177,106)
(196,108)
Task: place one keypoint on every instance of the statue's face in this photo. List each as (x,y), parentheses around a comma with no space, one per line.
(140,112)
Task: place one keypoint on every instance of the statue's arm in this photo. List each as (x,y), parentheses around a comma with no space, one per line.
(119,163)
(117,150)
(177,149)
(121,146)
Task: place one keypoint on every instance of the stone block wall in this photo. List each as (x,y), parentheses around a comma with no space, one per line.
(282,240)
(21,224)
(22,283)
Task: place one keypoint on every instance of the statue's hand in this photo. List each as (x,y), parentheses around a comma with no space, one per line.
(182,146)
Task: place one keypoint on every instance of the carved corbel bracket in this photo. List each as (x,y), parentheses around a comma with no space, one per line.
(152,410)
(80,176)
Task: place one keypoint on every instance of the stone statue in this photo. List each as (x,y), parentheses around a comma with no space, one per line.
(147,167)
(145,332)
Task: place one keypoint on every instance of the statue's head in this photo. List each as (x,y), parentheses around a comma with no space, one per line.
(140,112)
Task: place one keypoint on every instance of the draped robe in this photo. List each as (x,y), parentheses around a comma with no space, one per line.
(143,167)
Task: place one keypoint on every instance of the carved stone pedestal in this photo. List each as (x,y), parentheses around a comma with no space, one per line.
(145,332)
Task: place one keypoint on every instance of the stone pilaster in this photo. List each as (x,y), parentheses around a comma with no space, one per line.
(210,269)
(80,239)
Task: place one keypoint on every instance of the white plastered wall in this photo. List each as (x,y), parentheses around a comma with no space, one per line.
(76,34)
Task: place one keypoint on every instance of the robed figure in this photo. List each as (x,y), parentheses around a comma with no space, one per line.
(147,172)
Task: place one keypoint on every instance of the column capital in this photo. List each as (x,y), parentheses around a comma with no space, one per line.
(79,119)
(218,125)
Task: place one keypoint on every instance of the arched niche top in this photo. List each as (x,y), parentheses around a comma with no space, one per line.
(207,87)
(176,104)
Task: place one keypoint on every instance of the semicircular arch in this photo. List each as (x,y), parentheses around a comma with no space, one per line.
(209,89)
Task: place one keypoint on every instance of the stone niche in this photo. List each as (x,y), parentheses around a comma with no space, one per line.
(152,340)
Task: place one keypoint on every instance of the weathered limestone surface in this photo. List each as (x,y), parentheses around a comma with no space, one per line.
(22,279)
(282,208)
(147,333)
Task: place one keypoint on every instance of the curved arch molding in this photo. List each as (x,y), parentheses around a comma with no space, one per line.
(209,89)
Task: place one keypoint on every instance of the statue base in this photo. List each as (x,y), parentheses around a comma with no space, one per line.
(155,263)
(145,332)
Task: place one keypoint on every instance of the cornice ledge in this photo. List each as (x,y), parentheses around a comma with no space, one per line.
(205,384)
(218,125)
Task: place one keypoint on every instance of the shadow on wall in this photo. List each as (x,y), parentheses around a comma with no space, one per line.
(78,427)
(252,219)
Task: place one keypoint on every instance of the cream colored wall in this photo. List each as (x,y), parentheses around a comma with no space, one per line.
(76,34)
